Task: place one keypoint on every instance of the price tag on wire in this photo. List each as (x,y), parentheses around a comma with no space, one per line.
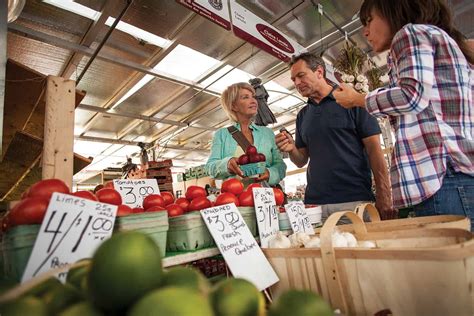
(266,213)
(71,230)
(134,191)
(298,218)
(237,245)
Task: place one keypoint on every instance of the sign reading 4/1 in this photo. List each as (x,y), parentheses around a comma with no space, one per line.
(237,245)
(133,192)
(267,214)
(71,230)
(299,220)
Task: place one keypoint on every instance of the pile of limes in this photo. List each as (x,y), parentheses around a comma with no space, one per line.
(125,277)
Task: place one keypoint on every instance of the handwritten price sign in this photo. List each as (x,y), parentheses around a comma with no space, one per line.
(267,214)
(71,230)
(299,220)
(133,192)
(236,243)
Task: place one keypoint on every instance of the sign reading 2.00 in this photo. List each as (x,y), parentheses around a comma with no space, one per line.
(71,230)
(133,192)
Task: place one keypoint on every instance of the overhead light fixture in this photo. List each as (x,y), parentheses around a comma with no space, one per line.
(89,13)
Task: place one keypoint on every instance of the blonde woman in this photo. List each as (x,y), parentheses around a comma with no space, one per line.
(238,100)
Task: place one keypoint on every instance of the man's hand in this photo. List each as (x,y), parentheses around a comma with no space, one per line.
(285,142)
(347,97)
(264,176)
(385,208)
(233,167)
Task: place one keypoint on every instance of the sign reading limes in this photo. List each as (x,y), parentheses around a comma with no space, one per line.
(71,230)
(267,214)
(299,220)
(133,192)
(236,243)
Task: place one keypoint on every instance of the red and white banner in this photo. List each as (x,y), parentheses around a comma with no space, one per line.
(216,11)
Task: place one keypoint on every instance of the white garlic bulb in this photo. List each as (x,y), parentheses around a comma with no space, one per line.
(367,244)
(314,242)
(338,239)
(298,239)
(351,240)
(279,241)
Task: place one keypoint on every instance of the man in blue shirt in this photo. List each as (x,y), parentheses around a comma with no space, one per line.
(341,145)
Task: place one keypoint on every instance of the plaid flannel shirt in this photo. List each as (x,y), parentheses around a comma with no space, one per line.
(429,102)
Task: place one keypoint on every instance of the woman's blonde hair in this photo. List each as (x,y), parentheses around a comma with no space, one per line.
(231,95)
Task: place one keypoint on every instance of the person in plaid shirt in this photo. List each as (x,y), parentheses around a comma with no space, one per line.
(428,101)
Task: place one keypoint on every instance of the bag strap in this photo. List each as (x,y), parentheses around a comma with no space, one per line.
(239,137)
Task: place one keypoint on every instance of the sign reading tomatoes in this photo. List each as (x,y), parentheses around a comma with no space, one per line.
(133,192)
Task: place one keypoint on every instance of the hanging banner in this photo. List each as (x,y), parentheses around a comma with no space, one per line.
(216,11)
(256,31)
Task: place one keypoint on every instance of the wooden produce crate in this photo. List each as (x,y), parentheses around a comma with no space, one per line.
(160,164)
(411,272)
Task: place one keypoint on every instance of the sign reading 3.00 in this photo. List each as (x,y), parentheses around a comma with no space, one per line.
(133,192)
(266,213)
(71,230)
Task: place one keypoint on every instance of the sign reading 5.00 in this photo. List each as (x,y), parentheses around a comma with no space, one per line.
(298,218)
(133,192)
(266,213)
(71,230)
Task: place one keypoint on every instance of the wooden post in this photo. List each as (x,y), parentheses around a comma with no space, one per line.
(59,129)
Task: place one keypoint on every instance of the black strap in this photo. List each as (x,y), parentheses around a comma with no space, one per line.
(239,137)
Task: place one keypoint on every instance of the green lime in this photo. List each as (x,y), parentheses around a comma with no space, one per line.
(237,297)
(61,297)
(124,268)
(171,300)
(300,303)
(77,277)
(29,305)
(186,277)
(44,287)
(81,309)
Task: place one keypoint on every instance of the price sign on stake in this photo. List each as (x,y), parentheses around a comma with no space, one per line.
(236,243)
(299,220)
(133,192)
(71,230)
(267,214)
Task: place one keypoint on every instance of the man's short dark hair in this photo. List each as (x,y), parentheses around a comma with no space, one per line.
(312,60)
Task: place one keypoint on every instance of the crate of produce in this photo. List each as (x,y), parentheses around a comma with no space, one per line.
(409,272)
(250,218)
(153,224)
(188,232)
(160,164)
(17,246)
(253,169)
(377,225)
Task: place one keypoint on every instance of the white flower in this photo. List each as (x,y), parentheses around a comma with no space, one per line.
(366,88)
(361,78)
(350,84)
(344,77)
(350,78)
(358,86)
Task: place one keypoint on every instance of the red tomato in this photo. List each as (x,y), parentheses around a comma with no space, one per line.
(174,210)
(155,209)
(138,210)
(168,197)
(262,158)
(108,195)
(279,196)
(253,185)
(226,198)
(153,200)
(98,187)
(85,195)
(194,191)
(199,203)
(281,209)
(45,188)
(246,198)
(183,203)
(124,210)
(28,211)
(253,158)
(251,150)
(233,186)
(243,160)
(109,184)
